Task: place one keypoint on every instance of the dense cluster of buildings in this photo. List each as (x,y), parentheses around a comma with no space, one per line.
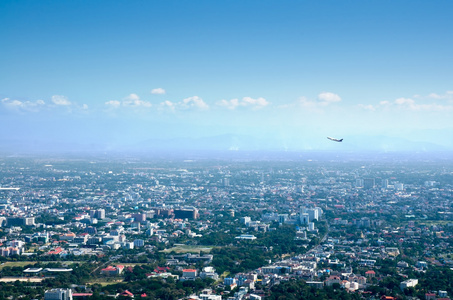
(372,213)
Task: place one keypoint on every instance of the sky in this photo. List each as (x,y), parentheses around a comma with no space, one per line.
(284,74)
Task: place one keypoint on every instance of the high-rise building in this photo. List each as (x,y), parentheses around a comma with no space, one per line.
(186,213)
(313,214)
(141,217)
(58,294)
(98,214)
(246,220)
(359,183)
(304,218)
(320,212)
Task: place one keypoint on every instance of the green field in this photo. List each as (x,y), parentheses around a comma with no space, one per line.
(25,263)
(16,264)
(104,282)
(188,249)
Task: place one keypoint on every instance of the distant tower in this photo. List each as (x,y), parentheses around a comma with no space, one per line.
(359,183)
(313,214)
(385,183)
(304,218)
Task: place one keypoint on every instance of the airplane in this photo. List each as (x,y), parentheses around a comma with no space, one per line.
(335,140)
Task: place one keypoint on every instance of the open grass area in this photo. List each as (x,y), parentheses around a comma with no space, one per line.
(104,282)
(188,249)
(16,264)
(25,263)
(23,279)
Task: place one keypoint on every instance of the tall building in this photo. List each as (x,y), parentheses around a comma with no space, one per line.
(359,183)
(141,217)
(246,220)
(313,214)
(186,213)
(98,213)
(320,212)
(304,218)
(58,294)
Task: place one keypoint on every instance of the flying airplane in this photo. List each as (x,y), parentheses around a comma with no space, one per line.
(335,140)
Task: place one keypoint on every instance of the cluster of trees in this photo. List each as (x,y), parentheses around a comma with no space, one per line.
(156,288)
(23,289)
(298,289)
(238,259)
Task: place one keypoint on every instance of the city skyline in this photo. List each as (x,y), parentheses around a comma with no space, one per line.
(265,75)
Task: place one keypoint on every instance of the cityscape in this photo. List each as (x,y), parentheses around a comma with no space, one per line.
(226,150)
(321,228)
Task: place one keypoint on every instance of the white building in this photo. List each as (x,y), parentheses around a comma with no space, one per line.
(189,274)
(58,294)
(408,283)
(246,237)
(139,243)
(245,220)
(313,214)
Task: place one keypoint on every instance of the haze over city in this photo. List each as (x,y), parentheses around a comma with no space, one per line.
(230,75)
(226,150)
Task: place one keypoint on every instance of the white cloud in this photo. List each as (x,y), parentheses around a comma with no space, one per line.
(254,103)
(435,96)
(447,95)
(326,97)
(257,103)
(404,101)
(195,102)
(133,101)
(168,104)
(367,107)
(323,100)
(60,100)
(113,103)
(189,103)
(409,104)
(158,91)
(23,105)
(230,104)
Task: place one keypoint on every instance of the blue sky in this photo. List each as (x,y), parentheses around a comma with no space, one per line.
(116,73)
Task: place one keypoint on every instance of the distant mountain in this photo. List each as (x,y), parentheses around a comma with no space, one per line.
(227,143)
(387,144)
(249,143)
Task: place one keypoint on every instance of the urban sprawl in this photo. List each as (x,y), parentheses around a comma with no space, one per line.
(226,229)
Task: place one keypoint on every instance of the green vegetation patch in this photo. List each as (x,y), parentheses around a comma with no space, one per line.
(188,249)
(104,282)
(16,264)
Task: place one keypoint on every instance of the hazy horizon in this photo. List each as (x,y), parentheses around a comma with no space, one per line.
(226,76)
